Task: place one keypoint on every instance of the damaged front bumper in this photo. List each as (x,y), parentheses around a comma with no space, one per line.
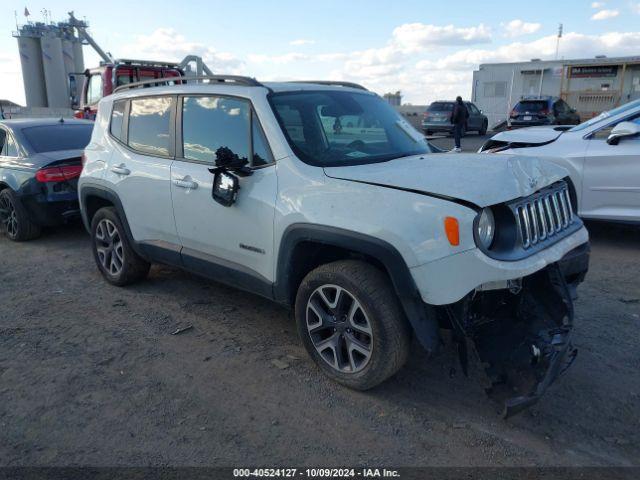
(521,334)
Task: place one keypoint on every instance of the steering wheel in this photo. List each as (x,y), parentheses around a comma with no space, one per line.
(356,145)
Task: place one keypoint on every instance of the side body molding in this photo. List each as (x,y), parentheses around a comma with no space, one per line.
(425,325)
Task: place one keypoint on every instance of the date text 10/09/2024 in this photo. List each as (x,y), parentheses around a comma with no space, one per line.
(316,472)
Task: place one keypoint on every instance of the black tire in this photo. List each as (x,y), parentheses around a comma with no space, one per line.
(428,133)
(483,130)
(132,267)
(14,218)
(391,334)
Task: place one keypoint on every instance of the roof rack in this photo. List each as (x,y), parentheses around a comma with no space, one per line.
(232,79)
(149,63)
(333,82)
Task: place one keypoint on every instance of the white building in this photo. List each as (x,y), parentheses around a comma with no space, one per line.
(591,86)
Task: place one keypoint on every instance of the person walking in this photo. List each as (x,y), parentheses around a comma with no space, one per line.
(459,117)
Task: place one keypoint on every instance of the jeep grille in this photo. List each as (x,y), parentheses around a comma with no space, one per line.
(544,214)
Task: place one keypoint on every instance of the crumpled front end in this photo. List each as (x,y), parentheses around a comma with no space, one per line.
(521,334)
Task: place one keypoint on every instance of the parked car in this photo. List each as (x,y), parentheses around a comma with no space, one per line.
(40,163)
(437,118)
(601,155)
(535,111)
(364,232)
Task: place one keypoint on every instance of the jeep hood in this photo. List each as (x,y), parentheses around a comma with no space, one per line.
(530,135)
(479,179)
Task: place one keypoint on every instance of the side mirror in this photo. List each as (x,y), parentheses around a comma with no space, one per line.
(623,130)
(225,188)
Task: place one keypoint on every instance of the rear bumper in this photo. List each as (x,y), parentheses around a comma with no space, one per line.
(437,127)
(522,124)
(47,212)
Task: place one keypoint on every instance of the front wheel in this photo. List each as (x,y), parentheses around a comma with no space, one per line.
(116,259)
(351,323)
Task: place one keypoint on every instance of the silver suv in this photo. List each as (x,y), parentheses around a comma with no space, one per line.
(318,195)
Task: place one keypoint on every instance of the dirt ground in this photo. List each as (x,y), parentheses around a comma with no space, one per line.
(91,374)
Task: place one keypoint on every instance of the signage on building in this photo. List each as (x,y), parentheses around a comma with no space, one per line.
(594,71)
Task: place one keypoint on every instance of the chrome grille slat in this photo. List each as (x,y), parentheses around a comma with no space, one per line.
(543,220)
(544,215)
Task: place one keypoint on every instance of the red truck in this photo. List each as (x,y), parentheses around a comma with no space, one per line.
(103,80)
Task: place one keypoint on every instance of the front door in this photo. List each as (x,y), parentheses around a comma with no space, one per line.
(234,242)
(611,184)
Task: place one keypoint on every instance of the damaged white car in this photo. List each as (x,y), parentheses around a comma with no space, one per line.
(601,156)
(319,196)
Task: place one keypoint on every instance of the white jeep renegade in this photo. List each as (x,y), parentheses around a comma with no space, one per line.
(318,195)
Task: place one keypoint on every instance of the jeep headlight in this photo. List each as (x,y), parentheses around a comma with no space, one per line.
(485,228)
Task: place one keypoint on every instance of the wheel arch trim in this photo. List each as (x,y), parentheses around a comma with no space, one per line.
(105,193)
(424,325)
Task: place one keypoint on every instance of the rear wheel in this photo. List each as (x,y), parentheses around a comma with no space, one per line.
(14,218)
(352,324)
(116,259)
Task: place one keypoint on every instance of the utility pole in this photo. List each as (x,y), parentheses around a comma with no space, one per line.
(558,40)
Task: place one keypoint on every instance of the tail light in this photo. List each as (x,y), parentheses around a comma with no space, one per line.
(513,114)
(83,159)
(78,114)
(425,115)
(58,174)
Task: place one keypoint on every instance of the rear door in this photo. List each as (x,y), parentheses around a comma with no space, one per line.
(234,241)
(475,118)
(140,169)
(611,178)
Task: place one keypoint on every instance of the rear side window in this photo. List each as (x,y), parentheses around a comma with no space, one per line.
(52,138)
(215,126)
(8,147)
(117,120)
(150,125)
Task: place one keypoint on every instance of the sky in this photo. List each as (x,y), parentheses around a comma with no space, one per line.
(427,50)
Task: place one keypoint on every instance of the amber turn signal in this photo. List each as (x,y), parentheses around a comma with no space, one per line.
(452,229)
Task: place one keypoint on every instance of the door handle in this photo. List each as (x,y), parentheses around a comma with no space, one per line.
(120,169)
(186,183)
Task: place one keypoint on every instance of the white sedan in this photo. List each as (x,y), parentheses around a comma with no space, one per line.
(602,156)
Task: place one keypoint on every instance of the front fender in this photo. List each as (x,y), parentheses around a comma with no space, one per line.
(424,324)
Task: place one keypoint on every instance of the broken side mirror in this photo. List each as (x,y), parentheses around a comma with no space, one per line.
(225,187)
(623,130)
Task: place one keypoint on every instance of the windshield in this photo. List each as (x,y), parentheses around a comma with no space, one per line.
(51,138)
(440,107)
(334,128)
(608,114)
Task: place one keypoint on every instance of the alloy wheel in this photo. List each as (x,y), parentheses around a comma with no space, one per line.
(109,247)
(8,216)
(339,328)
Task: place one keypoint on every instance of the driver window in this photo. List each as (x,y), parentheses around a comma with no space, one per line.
(94,89)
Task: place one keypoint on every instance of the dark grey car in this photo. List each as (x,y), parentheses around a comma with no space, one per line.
(40,162)
(437,118)
(534,111)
